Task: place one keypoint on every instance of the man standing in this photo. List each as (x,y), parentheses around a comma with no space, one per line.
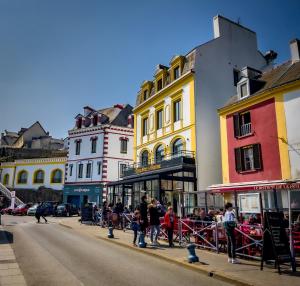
(154,222)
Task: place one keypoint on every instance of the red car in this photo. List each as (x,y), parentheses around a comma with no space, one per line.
(7,210)
(21,209)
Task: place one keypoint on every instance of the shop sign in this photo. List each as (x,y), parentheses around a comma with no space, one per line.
(148,168)
(290,186)
(81,190)
(249,203)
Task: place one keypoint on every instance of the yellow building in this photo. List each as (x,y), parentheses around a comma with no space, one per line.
(164,142)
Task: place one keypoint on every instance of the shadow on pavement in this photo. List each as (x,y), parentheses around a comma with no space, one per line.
(6,237)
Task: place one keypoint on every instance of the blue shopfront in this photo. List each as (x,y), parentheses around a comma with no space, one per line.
(82,194)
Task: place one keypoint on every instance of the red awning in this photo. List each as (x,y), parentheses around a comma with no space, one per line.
(254,187)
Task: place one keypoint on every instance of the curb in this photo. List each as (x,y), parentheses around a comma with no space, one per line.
(222,276)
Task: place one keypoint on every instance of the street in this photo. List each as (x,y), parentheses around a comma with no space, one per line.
(49,254)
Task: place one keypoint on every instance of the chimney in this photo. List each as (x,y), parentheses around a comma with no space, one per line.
(120,106)
(295,50)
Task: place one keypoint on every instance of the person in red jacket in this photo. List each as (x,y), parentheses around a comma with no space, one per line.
(170,221)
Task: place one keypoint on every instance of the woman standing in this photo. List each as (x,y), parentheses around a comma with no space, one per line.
(170,221)
(229,225)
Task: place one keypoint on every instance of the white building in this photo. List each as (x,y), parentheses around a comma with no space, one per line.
(99,147)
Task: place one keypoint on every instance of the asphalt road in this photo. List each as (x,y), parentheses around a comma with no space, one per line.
(49,254)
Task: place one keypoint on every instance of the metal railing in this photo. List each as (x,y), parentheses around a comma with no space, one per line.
(245,129)
(165,161)
(6,192)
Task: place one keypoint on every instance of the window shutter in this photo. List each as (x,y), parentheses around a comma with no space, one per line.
(238,159)
(257,156)
(236,125)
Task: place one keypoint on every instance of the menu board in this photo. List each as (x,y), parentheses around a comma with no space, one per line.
(275,241)
(249,203)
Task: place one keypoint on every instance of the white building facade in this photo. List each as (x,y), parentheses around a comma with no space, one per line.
(99,147)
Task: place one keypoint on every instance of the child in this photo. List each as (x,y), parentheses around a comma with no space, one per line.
(136,225)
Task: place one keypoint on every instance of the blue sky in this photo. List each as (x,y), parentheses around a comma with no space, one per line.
(57,56)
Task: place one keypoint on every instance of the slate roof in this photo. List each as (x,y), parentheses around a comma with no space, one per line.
(274,78)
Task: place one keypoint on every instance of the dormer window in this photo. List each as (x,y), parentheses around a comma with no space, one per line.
(145,95)
(79,123)
(244,90)
(176,73)
(159,84)
(95,120)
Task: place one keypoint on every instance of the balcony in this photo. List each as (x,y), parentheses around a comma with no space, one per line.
(172,160)
(245,129)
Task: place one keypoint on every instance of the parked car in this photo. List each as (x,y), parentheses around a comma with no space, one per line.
(7,210)
(67,210)
(32,210)
(21,209)
(49,207)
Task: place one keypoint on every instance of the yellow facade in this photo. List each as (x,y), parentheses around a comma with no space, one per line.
(163,102)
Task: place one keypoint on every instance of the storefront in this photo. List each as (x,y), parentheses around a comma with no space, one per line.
(82,194)
(258,197)
(165,181)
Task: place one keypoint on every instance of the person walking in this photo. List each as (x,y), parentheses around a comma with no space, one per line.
(229,225)
(170,221)
(40,212)
(154,222)
(144,214)
(136,225)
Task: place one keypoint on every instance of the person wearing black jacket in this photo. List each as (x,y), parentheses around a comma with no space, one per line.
(154,222)
(144,214)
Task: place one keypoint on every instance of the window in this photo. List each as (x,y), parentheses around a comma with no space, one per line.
(159,154)
(95,120)
(176,73)
(123,146)
(122,169)
(177,147)
(88,170)
(244,90)
(145,126)
(145,95)
(242,124)
(38,177)
(159,119)
(94,145)
(99,168)
(79,122)
(56,176)
(77,151)
(6,180)
(177,110)
(159,84)
(144,158)
(80,170)
(236,77)
(248,158)
(71,169)
(22,177)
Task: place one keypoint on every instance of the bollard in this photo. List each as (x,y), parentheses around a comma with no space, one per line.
(110,232)
(142,243)
(192,253)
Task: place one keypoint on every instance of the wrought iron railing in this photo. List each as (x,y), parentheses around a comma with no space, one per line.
(169,160)
(245,129)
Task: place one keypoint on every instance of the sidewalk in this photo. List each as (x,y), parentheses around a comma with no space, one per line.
(10,273)
(212,264)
